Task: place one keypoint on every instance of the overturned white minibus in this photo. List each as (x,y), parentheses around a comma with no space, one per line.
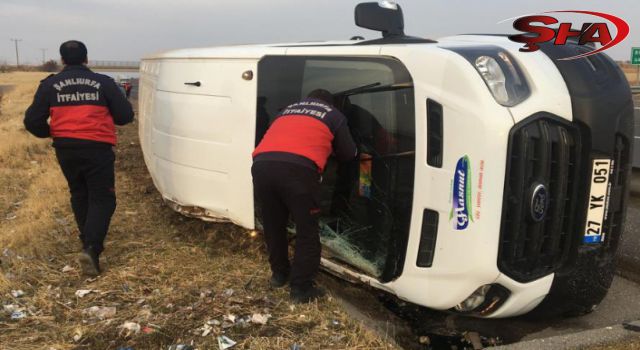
(497,181)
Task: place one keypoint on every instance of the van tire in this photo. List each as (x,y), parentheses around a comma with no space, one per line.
(579,290)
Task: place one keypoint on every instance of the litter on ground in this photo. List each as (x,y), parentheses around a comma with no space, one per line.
(260,318)
(225,343)
(17,315)
(130,328)
(17,293)
(100,312)
(181,347)
(80,293)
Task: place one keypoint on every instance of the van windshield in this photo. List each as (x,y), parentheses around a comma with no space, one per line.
(366,203)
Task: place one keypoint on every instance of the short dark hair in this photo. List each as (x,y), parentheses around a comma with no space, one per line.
(73,52)
(322,94)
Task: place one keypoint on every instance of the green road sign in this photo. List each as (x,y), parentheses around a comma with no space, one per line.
(635,55)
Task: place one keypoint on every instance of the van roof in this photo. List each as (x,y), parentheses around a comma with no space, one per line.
(259,50)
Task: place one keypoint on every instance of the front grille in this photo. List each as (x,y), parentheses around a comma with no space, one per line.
(543,150)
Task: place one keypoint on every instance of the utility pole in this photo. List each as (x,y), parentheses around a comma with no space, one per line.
(17,56)
(43,55)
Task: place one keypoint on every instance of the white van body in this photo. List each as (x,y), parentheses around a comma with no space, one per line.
(198,140)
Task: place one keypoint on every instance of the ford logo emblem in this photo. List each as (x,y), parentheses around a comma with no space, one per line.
(539,202)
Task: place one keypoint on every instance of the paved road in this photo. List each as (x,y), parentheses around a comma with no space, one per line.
(630,248)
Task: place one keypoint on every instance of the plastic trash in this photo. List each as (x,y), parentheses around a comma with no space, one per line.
(130,328)
(100,312)
(228,292)
(260,318)
(17,293)
(80,293)
(206,330)
(18,315)
(225,343)
(67,268)
(181,347)
(214,322)
(11,308)
(296,347)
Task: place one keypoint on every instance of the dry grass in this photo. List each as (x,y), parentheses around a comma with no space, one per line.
(631,72)
(166,272)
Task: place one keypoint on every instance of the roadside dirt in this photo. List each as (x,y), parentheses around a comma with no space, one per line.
(171,279)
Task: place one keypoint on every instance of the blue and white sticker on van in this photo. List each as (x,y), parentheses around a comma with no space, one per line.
(461,200)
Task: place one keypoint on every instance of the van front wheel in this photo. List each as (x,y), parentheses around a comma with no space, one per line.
(579,290)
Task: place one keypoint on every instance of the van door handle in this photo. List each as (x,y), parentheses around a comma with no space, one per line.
(197,83)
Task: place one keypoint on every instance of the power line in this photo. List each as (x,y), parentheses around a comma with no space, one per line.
(17,55)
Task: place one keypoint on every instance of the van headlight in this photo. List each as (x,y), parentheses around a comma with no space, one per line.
(500,72)
(493,75)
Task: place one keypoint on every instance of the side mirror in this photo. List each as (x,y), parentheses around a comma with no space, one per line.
(385,17)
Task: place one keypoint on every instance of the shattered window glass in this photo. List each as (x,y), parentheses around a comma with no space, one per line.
(366,203)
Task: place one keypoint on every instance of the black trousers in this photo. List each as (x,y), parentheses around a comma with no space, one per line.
(285,189)
(90,175)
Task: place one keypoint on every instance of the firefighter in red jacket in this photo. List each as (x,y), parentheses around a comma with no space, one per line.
(287,169)
(83,108)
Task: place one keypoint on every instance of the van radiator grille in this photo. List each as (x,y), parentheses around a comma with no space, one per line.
(545,151)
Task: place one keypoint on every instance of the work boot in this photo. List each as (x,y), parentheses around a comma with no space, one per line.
(279,280)
(306,295)
(89,262)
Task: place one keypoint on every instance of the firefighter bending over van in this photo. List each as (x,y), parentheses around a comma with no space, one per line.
(83,108)
(287,168)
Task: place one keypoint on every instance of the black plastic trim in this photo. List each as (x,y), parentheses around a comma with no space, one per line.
(435,133)
(427,247)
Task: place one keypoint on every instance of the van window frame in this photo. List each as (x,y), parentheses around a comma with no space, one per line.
(290,79)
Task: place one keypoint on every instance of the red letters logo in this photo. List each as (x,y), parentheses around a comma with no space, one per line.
(597,32)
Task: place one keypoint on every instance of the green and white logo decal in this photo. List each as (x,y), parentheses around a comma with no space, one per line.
(461,211)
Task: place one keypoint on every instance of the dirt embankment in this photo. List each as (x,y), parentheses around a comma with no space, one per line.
(174,280)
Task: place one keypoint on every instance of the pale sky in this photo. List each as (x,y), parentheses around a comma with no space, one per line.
(130,29)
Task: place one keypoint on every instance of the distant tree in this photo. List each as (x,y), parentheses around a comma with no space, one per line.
(50,66)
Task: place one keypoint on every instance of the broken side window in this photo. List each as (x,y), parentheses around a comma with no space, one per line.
(366,203)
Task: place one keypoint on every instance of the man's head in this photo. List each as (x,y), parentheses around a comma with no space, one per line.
(73,52)
(322,94)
